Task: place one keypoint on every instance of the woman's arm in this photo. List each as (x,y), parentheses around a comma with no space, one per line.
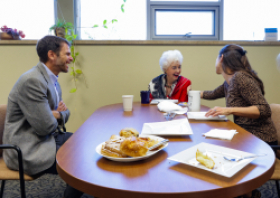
(219,92)
(251,92)
(250,112)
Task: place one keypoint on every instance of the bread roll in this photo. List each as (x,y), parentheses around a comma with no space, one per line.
(134,147)
(127,132)
(117,138)
(204,160)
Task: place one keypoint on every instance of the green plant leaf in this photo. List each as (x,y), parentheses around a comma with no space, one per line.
(72,73)
(77,53)
(95,26)
(105,26)
(52,27)
(68,37)
(73,90)
(124,0)
(78,71)
(104,22)
(114,20)
(69,25)
(122,7)
(72,49)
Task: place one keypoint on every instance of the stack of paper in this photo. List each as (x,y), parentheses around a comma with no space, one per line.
(175,127)
(156,101)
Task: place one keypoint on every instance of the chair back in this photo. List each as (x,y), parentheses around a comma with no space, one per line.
(275,116)
(3,110)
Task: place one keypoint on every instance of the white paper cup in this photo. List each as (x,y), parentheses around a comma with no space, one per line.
(194,101)
(127,102)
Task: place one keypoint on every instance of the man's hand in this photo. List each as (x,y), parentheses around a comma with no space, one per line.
(218,111)
(56,114)
(61,106)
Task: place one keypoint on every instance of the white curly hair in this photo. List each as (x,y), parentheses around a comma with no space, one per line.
(169,57)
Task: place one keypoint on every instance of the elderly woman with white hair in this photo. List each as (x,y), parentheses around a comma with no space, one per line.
(170,85)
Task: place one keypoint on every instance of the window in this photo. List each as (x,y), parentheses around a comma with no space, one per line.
(33,17)
(247,22)
(185,20)
(130,24)
(148,19)
(169,22)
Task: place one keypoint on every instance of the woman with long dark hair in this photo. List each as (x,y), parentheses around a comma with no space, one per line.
(244,93)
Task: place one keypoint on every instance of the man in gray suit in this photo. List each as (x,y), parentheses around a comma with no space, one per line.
(35,110)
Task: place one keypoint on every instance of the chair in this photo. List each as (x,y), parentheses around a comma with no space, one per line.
(5,172)
(275,109)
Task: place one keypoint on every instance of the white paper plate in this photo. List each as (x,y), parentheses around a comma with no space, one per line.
(222,167)
(168,128)
(156,101)
(201,116)
(131,159)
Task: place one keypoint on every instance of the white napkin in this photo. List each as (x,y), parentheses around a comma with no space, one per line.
(168,107)
(221,134)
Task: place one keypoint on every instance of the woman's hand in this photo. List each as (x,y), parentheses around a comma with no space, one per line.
(189,88)
(218,111)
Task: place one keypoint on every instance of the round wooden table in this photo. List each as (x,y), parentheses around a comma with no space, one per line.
(81,167)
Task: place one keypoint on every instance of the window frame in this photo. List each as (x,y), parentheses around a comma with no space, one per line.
(152,6)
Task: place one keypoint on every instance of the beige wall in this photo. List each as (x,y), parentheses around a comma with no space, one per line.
(114,70)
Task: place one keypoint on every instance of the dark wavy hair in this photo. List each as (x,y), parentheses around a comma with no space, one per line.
(234,58)
(47,43)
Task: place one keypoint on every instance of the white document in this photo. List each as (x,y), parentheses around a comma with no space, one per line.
(201,116)
(156,101)
(168,128)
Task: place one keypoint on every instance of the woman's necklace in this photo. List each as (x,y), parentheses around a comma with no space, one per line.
(168,86)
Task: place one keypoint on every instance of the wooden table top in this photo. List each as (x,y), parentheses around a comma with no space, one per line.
(80,166)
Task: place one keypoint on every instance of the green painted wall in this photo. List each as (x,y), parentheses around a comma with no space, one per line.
(112,71)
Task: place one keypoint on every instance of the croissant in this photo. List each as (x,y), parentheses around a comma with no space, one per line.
(134,147)
(204,160)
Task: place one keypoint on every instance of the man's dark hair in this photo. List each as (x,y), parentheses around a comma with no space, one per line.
(49,43)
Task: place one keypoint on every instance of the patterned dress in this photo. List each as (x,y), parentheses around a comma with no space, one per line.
(244,91)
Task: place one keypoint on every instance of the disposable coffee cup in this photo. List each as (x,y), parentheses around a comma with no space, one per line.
(194,101)
(127,102)
(145,97)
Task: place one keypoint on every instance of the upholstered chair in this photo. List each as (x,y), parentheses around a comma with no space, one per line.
(275,108)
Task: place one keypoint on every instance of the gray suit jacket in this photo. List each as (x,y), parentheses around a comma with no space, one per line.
(30,123)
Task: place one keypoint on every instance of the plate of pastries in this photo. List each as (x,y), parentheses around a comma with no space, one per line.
(129,146)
